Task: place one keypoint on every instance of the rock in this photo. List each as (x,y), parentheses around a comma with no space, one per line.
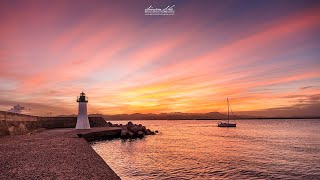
(131,134)
(156,131)
(124,134)
(135,129)
(148,132)
(124,128)
(12,130)
(144,129)
(22,128)
(140,134)
(131,130)
(130,124)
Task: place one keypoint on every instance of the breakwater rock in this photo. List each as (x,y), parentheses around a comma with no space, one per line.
(132,131)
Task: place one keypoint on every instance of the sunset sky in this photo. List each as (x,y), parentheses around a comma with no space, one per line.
(263,55)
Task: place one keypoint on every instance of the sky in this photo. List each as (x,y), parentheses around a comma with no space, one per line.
(262,55)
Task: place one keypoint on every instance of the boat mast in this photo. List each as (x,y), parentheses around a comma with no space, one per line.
(228,109)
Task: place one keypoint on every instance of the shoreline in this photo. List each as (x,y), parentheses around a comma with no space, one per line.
(51,154)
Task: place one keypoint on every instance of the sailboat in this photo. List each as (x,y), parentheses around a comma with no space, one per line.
(228,124)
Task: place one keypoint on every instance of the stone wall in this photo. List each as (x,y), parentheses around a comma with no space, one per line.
(9,116)
(13,123)
(57,122)
(68,122)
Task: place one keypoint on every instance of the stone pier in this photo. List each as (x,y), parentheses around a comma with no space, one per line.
(51,154)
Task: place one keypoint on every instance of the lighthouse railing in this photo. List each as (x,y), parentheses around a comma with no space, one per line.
(82,99)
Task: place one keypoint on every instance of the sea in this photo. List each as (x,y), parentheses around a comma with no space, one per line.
(198,149)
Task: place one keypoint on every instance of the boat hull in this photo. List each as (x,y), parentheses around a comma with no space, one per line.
(227,125)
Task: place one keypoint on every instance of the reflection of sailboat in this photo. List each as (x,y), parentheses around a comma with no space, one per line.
(227,124)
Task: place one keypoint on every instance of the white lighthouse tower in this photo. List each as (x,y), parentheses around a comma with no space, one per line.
(82,120)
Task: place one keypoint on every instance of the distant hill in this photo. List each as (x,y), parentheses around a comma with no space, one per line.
(171,116)
(188,116)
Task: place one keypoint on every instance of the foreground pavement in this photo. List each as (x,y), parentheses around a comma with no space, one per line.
(51,154)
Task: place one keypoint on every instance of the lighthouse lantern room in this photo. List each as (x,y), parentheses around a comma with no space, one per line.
(82,120)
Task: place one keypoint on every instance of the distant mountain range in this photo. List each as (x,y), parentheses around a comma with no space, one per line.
(188,116)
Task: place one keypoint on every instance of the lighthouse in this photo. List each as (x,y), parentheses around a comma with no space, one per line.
(82,120)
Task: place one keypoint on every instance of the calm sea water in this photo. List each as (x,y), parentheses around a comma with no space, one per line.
(256,149)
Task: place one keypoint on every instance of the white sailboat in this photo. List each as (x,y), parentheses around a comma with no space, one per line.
(228,124)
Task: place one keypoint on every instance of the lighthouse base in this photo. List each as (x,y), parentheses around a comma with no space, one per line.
(82,122)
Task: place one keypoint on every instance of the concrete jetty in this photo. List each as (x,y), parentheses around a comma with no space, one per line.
(51,154)
(34,147)
(99,133)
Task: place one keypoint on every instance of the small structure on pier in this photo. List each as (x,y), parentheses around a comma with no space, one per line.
(82,120)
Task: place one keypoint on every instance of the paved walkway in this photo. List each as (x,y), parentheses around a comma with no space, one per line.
(51,154)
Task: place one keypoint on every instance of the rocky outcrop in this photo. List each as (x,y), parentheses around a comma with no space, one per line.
(131,130)
(13,123)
